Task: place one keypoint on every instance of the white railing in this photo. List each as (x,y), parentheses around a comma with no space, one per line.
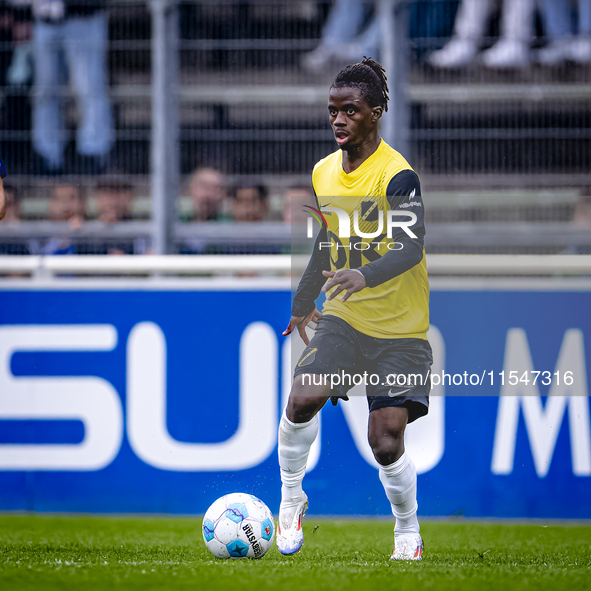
(490,234)
(48,267)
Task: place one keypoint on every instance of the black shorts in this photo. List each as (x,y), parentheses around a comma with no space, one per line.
(396,372)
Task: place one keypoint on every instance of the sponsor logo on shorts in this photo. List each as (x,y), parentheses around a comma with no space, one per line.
(308,357)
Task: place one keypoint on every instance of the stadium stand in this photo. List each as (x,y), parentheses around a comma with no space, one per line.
(492,146)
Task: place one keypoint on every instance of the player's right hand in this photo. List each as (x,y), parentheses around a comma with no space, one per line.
(301,322)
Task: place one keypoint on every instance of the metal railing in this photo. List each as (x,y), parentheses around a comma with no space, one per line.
(503,236)
(52,267)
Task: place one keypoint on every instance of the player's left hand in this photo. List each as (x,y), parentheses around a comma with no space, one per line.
(347,280)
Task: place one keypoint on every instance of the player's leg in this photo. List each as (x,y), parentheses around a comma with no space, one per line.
(398,476)
(469,30)
(332,350)
(86,41)
(48,127)
(342,25)
(397,471)
(401,397)
(517,30)
(297,432)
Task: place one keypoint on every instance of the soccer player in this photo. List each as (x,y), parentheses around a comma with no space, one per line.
(376,313)
(2,198)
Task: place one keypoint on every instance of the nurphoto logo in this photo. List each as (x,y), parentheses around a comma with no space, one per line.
(344,231)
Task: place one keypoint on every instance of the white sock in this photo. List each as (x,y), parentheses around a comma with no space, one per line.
(400,483)
(295,440)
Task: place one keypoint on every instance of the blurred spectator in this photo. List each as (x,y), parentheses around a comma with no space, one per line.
(6,24)
(12,204)
(7,20)
(208,192)
(429,21)
(78,30)
(510,51)
(67,205)
(2,200)
(20,72)
(16,68)
(353,30)
(563,45)
(2,196)
(582,213)
(582,218)
(113,200)
(18,246)
(344,38)
(250,204)
(294,200)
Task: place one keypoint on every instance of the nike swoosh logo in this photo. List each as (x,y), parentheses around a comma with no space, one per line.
(394,394)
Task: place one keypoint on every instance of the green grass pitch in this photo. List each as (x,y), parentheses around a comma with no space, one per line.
(87,553)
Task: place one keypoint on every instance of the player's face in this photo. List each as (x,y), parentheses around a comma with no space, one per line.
(351,118)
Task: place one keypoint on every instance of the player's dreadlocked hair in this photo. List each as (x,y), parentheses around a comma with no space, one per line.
(370,78)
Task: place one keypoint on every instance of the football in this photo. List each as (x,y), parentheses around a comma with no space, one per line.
(238,525)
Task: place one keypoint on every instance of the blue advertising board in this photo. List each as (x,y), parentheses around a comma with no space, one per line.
(161,400)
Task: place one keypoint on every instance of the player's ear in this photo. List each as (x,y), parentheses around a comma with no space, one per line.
(376,113)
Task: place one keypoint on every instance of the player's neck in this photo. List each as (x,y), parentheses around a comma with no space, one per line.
(355,156)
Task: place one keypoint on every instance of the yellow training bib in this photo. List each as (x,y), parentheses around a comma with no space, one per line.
(398,308)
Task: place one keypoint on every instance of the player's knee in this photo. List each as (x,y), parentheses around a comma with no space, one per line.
(305,401)
(301,409)
(387,447)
